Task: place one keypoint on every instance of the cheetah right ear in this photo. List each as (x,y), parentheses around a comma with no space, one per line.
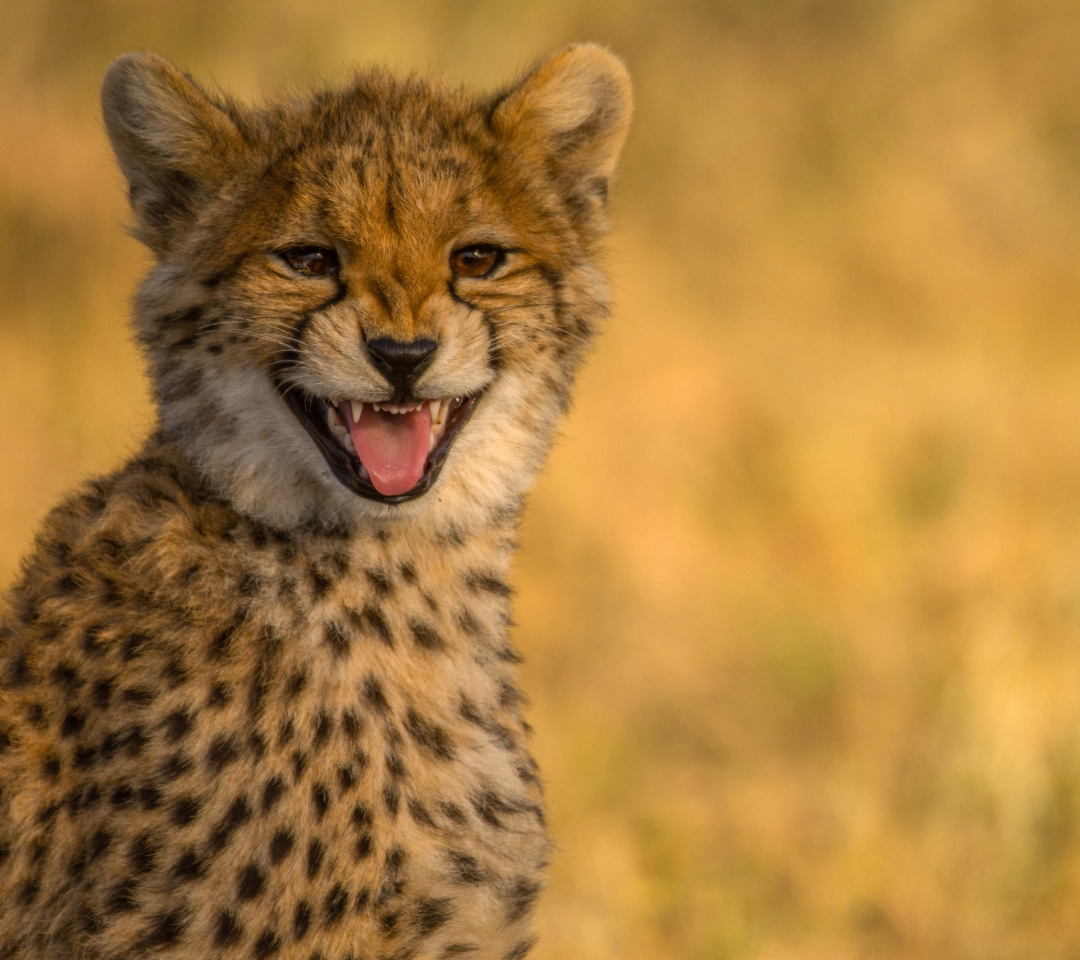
(172,142)
(575,108)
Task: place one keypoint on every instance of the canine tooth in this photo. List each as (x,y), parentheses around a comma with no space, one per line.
(357,407)
(333,421)
(435,407)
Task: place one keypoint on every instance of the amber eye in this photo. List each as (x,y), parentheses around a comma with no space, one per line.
(476,261)
(311,261)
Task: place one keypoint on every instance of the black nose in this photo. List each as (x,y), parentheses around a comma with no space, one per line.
(401,363)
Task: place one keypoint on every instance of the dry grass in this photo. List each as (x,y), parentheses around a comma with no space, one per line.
(800,592)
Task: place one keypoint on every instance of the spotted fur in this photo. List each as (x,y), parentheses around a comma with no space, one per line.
(245,712)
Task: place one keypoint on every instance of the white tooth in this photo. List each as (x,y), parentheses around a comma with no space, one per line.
(432,439)
(435,406)
(357,408)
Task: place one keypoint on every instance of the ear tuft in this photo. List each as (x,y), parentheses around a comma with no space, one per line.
(171,141)
(576,106)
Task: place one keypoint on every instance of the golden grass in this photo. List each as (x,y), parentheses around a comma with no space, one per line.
(800,593)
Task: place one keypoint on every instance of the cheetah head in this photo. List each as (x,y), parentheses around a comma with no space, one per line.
(373,298)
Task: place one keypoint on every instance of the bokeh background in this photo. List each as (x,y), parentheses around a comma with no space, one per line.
(800,591)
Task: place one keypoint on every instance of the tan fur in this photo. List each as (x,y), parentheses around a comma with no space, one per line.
(245,711)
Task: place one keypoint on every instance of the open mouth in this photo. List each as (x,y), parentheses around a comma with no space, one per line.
(389,452)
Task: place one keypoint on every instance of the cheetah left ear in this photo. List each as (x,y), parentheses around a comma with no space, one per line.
(171,140)
(576,108)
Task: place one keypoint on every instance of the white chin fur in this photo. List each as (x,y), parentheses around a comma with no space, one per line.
(269,467)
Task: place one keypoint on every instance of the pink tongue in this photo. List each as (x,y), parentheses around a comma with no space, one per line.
(393,446)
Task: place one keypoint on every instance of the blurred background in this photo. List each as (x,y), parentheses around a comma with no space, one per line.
(800,591)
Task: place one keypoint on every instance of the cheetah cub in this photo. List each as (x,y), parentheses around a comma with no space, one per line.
(257,694)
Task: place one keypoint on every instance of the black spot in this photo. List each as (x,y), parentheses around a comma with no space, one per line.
(468,624)
(133,645)
(149,797)
(320,795)
(165,929)
(408,572)
(351,724)
(50,766)
(137,696)
(185,809)
(222,640)
(295,686)
(66,676)
(374,622)
(521,950)
(426,636)
(222,752)
(320,582)
(336,901)
(432,738)
(336,638)
(364,846)
(227,931)
(465,868)
(122,899)
(374,693)
(299,764)
(314,859)
(189,866)
(237,814)
(175,766)
(419,812)
(268,943)
(489,805)
(286,732)
(301,920)
(479,582)
(453,812)
(134,739)
(346,778)
(272,792)
(280,845)
(219,695)
(91,640)
(395,766)
(250,882)
(85,756)
(103,690)
(381,581)
(432,913)
(520,898)
(73,723)
(391,799)
(143,854)
(176,725)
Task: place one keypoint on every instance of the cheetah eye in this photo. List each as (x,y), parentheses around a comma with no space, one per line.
(311,261)
(479,260)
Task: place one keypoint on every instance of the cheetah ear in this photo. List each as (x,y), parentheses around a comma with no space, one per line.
(171,141)
(576,107)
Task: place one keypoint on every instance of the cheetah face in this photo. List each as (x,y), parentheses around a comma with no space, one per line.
(381,290)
